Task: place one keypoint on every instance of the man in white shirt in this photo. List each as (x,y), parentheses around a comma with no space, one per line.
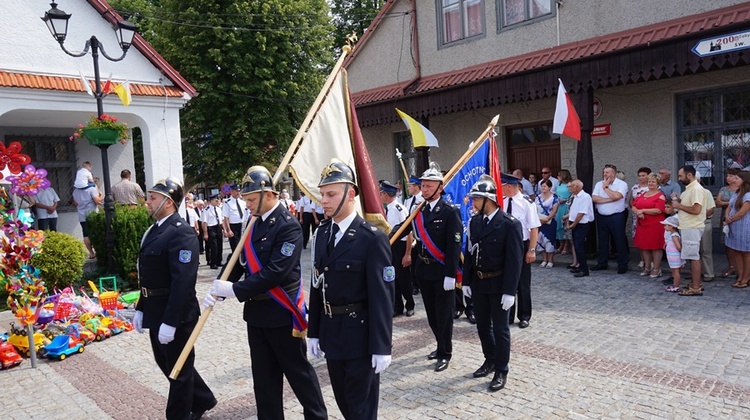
(46,209)
(547,174)
(522,208)
(609,197)
(528,189)
(234,211)
(395,214)
(211,220)
(580,215)
(305,211)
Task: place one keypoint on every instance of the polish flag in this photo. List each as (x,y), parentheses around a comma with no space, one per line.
(566,119)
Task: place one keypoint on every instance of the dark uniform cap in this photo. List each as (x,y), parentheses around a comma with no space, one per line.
(171,188)
(414,180)
(387,187)
(235,186)
(509,179)
(257,178)
(485,187)
(337,172)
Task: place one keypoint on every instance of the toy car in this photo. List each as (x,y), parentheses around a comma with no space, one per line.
(53,329)
(63,346)
(9,357)
(21,343)
(95,326)
(77,330)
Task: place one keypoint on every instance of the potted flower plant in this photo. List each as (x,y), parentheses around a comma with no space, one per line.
(102,130)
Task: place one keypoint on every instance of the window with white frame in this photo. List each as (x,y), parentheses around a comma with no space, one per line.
(514,12)
(460,19)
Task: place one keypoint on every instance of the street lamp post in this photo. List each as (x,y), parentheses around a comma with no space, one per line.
(57,22)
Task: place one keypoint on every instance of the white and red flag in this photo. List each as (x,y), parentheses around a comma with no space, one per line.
(566,119)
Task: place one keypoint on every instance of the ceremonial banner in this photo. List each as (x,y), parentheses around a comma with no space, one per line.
(420,135)
(457,189)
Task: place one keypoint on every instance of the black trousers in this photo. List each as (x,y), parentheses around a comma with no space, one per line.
(523,303)
(320,217)
(48,224)
(579,244)
(214,246)
(403,279)
(413,266)
(308,224)
(464,303)
(439,305)
(613,225)
(236,228)
(188,392)
(356,387)
(492,327)
(275,354)
(201,241)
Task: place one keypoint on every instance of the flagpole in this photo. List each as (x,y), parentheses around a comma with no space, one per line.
(406,174)
(206,312)
(345,50)
(473,147)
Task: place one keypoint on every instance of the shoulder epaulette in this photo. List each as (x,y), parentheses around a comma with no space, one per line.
(528,199)
(398,207)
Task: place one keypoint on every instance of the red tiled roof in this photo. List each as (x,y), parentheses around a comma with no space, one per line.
(145,48)
(73,84)
(631,38)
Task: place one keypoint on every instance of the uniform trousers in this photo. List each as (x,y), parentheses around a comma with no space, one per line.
(214,246)
(439,305)
(403,279)
(320,216)
(413,266)
(612,225)
(201,241)
(236,229)
(275,353)
(524,292)
(356,387)
(492,326)
(188,392)
(308,224)
(463,303)
(579,244)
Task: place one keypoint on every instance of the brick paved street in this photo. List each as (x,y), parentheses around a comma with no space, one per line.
(606,346)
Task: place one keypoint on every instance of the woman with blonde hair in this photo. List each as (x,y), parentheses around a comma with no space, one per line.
(648,210)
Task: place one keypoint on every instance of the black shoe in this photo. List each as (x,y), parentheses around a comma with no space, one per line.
(410,312)
(196,415)
(441,365)
(432,355)
(498,382)
(622,270)
(572,266)
(598,267)
(472,318)
(523,324)
(484,370)
(457,314)
(581,274)
(213,267)
(575,270)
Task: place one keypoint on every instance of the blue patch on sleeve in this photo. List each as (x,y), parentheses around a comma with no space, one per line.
(287,249)
(185,256)
(389,274)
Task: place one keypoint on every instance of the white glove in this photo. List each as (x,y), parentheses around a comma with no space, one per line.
(138,322)
(166,333)
(467,291)
(221,288)
(507,301)
(449,283)
(380,362)
(209,300)
(313,347)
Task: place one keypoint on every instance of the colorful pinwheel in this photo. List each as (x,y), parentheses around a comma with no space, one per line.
(12,158)
(29,182)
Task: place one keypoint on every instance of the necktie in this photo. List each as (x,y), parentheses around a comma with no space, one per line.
(239,209)
(187,215)
(332,239)
(216,214)
(510,206)
(486,220)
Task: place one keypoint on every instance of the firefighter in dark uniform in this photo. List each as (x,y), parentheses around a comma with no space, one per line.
(351,301)
(492,268)
(270,285)
(439,229)
(167,268)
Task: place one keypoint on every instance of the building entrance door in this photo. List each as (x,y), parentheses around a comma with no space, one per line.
(532,147)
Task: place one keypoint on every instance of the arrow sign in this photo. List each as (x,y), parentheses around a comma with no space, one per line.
(722,44)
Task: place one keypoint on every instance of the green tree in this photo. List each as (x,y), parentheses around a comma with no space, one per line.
(257,66)
(352,16)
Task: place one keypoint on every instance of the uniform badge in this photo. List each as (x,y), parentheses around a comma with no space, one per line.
(389,274)
(185,256)
(457,237)
(373,228)
(287,249)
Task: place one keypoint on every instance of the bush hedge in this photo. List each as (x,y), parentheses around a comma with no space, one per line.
(129,225)
(61,260)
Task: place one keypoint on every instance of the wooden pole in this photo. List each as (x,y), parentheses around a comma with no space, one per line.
(206,312)
(449,175)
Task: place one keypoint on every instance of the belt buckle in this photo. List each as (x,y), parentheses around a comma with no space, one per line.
(480,274)
(327,309)
(144,292)
(353,314)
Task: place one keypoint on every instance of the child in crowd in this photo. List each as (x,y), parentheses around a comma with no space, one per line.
(673,246)
(84,179)
(668,209)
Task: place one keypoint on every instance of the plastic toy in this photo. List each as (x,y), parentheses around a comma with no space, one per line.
(21,343)
(95,326)
(9,357)
(63,346)
(77,330)
(53,329)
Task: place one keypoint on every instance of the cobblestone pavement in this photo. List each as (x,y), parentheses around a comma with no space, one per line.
(606,346)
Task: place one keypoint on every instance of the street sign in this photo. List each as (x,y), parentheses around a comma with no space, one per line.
(722,44)
(601,130)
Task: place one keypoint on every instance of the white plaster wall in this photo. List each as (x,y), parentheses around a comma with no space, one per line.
(28,46)
(579,20)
